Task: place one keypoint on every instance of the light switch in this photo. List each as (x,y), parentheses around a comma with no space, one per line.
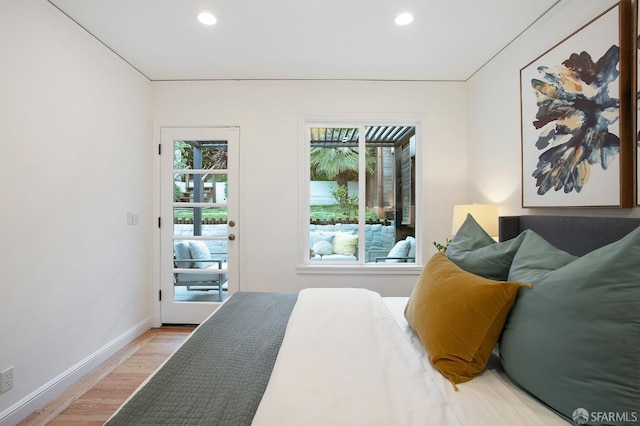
(132,218)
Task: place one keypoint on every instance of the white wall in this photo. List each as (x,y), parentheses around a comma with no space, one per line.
(494,112)
(76,157)
(320,192)
(270,114)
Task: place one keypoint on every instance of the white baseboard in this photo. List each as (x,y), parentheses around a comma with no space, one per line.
(51,390)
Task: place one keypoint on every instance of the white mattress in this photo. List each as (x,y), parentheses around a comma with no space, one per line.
(344,362)
(348,358)
(489,399)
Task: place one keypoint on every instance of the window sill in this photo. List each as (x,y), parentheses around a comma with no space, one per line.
(360,269)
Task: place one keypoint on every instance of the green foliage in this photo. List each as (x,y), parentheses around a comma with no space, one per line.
(339,163)
(442,247)
(334,213)
(212,158)
(219,213)
(177,192)
(331,162)
(348,204)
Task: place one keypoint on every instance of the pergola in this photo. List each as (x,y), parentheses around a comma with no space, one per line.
(376,136)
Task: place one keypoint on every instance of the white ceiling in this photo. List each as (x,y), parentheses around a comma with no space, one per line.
(304,39)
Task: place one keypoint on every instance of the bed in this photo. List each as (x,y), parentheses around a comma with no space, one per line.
(542,328)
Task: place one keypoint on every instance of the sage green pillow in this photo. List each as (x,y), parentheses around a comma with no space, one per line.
(573,340)
(473,250)
(536,257)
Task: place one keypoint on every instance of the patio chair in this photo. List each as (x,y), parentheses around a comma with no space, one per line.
(402,251)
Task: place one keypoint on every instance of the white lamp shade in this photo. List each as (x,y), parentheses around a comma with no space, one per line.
(485,214)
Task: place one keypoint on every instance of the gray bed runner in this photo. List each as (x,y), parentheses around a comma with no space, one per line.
(218,376)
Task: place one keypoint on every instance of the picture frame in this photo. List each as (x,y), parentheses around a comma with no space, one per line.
(577,132)
(636,100)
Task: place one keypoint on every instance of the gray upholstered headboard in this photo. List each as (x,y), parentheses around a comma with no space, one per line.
(577,235)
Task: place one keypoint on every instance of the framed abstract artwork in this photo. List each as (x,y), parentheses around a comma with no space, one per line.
(577,117)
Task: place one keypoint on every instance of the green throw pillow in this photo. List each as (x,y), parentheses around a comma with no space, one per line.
(536,257)
(573,340)
(473,250)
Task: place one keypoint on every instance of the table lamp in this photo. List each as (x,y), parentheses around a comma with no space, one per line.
(485,214)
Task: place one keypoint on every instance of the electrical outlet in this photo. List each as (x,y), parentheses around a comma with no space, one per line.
(7,379)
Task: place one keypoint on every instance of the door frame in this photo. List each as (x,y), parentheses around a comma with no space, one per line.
(155,285)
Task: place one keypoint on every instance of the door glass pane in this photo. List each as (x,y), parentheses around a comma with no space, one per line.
(200,221)
(390,194)
(184,251)
(210,155)
(209,221)
(199,270)
(334,170)
(200,187)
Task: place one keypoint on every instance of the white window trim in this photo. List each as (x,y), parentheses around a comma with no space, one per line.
(304,264)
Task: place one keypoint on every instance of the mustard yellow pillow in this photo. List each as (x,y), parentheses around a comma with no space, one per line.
(345,244)
(458,316)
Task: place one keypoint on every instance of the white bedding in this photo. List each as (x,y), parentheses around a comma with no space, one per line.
(334,368)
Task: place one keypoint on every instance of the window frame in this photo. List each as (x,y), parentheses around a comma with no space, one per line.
(359,266)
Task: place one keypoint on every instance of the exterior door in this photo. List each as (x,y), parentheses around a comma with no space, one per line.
(198,225)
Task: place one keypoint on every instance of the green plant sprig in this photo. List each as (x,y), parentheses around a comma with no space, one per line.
(442,247)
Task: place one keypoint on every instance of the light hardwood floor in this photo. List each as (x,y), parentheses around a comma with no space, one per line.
(98,395)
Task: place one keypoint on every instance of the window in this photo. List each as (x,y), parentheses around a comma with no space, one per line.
(361,192)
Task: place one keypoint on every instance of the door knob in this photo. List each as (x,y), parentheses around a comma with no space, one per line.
(232,237)
(232,223)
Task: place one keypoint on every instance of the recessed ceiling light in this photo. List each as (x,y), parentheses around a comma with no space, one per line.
(404,19)
(207,18)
